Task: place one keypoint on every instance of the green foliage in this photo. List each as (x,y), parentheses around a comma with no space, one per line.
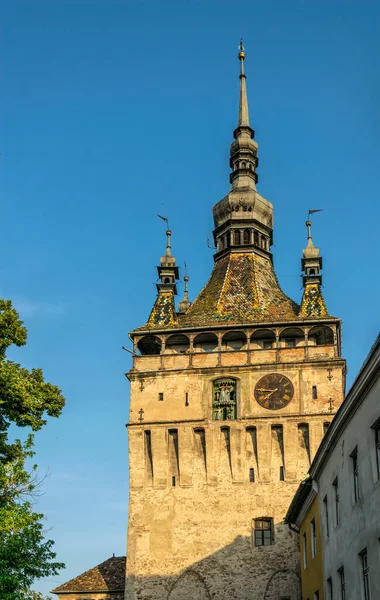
(25,398)
(25,555)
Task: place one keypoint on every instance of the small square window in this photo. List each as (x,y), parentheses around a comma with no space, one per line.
(263,532)
(161,396)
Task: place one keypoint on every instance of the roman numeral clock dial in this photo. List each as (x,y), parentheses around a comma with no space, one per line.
(274,391)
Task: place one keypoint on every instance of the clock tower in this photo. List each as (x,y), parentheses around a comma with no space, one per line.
(230,398)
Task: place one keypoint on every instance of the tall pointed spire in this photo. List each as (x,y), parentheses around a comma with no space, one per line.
(243,152)
(243,104)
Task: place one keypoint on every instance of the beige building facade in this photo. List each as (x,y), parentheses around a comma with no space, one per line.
(230,398)
(346,472)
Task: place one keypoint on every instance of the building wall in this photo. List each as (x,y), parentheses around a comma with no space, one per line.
(312,574)
(92,596)
(195,538)
(359,526)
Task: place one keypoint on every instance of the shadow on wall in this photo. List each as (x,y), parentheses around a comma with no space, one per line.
(238,571)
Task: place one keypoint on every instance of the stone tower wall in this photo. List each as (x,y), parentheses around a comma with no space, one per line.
(192,503)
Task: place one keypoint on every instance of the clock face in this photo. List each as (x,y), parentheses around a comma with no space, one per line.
(274,391)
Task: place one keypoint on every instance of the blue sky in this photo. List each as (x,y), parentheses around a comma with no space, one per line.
(113,111)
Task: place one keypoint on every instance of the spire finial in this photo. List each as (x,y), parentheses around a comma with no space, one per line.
(243,104)
(168,243)
(185,303)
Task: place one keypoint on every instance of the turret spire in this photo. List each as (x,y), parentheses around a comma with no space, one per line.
(185,303)
(243,104)
(313,304)
(163,312)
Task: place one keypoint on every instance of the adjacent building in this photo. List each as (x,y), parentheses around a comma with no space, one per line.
(104,582)
(230,398)
(303,513)
(344,488)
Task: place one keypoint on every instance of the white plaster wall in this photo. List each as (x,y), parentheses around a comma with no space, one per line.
(359,526)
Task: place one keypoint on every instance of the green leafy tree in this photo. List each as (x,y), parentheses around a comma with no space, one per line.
(25,400)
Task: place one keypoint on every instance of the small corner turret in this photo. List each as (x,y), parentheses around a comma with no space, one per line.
(168,270)
(163,312)
(313,303)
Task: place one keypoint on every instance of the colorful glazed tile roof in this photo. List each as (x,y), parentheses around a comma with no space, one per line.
(109,575)
(313,303)
(243,288)
(163,312)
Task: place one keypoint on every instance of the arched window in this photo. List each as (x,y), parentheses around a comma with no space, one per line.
(224,399)
(264,339)
(234,340)
(237,237)
(177,344)
(256,238)
(149,344)
(321,336)
(250,166)
(243,165)
(246,236)
(292,337)
(166,280)
(312,272)
(205,342)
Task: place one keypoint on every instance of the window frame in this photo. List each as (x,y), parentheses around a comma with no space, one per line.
(376,429)
(313,538)
(365,574)
(330,589)
(304,550)
(342,582)
(336,501)
(355,473)
(325,504)
(259,532)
